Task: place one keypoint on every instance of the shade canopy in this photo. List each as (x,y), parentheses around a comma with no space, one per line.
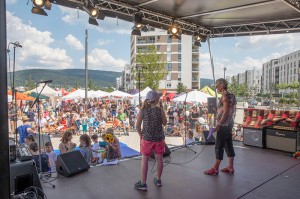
(193,96)
(209,91)
(101,94)
(48,91)
(212,18)
(21,96)
(120,94)
(34,94)
(79,94)
(143,93)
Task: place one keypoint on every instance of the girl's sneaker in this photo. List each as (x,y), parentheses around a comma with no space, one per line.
(157,182)
(141,186)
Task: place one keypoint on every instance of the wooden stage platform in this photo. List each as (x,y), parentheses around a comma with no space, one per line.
(259,173)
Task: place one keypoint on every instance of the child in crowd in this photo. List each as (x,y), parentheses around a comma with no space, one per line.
(126,125)
(113,149)
(96,125)
(117,125)
(34,149)
(84,124)
(52,157)
(102,126)
(97,157)
(132,123)
(91,120)
(85,147)
(190,139)
(28,140)
(198,135)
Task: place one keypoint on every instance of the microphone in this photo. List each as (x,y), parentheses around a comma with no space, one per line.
(17,44)
(45,81)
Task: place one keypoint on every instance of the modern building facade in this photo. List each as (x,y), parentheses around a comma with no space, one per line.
(285,69)
(250,77)
(181,57)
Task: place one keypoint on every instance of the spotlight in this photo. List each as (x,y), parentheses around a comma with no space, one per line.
(94,12)
(39,3)
(136,32)
(38,11)
(174,30)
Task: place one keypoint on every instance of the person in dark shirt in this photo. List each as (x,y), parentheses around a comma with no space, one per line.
(34,149)
(113,108)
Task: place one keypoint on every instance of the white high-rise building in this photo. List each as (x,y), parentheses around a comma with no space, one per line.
(285,69)
(181,56)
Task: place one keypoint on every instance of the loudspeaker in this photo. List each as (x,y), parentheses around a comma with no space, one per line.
(211,105)
(254,137)
(166,153)
(71,163)
(211,140)
(22,176)
(282,140)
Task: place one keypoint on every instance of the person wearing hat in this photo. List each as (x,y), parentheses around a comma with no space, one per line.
(152,137)
(24,130)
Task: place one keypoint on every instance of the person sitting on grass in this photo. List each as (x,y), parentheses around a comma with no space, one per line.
(85,147)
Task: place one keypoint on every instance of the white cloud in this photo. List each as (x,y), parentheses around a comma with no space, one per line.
(100,59)
(36,51)
(74,42)
(102,42)
(286,42)
(108,25)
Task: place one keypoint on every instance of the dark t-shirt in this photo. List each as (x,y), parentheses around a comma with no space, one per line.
(30,116)
(113,107)
(44,159)
(152,125)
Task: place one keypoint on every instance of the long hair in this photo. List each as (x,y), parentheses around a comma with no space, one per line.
(87,139)
(222,81)
(65,137)
(146,104)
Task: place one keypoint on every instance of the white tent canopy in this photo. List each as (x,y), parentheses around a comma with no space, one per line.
(193,96)
(47,90)
(120,94)
(79,94)
(100,94)
(143,93)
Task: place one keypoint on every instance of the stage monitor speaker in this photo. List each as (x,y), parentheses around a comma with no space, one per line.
(211,105)
(71,163)
(253,137)
(282,140)
(22,176)
(166,153)
(211,140)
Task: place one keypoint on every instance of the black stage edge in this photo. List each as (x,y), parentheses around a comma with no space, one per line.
(259,173)
(4,148)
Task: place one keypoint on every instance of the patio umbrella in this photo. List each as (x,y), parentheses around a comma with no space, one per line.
(21,96)
(34,94)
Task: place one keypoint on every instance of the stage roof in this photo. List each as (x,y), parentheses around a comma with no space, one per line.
(216,18)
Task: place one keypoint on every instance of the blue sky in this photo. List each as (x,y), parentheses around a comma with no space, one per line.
(57,42)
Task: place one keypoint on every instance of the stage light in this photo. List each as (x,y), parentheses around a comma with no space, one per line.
(136,32)
(174,30)
(94,12)
(39,3)
(93,21)
(38,11)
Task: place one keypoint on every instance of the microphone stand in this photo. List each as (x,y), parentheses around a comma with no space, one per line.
(37,100)
(185,131)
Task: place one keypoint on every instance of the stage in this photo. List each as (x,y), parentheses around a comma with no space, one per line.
(259,173)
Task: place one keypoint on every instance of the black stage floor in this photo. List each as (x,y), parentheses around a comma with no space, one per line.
(259,173)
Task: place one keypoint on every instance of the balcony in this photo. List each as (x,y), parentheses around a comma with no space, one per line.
(195,79)
(195,69)
(195,87)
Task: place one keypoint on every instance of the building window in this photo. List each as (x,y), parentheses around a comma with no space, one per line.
(179,40)
(158,38)
(179,76)
(179,47)
(169,57)
(169,67)
(169,48)
(179,66)
(179,57)
(158,47)
(169,40)
(151,40)
(169,77)
(169,85)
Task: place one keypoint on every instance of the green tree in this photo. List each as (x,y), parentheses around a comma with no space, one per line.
(243,90)
(91,84)
(180,87)
(152,68)
(294,85)
(76,84)
(29,84)
(234,88)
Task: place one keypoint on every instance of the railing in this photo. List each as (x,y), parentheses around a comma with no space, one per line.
(195,87)
(195,78)
(195,69)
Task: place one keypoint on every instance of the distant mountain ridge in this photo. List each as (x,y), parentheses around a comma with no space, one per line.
(206,82)
(67,77)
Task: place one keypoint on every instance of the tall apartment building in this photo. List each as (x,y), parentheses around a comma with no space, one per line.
(181,56)
(285,69)
(250,77)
